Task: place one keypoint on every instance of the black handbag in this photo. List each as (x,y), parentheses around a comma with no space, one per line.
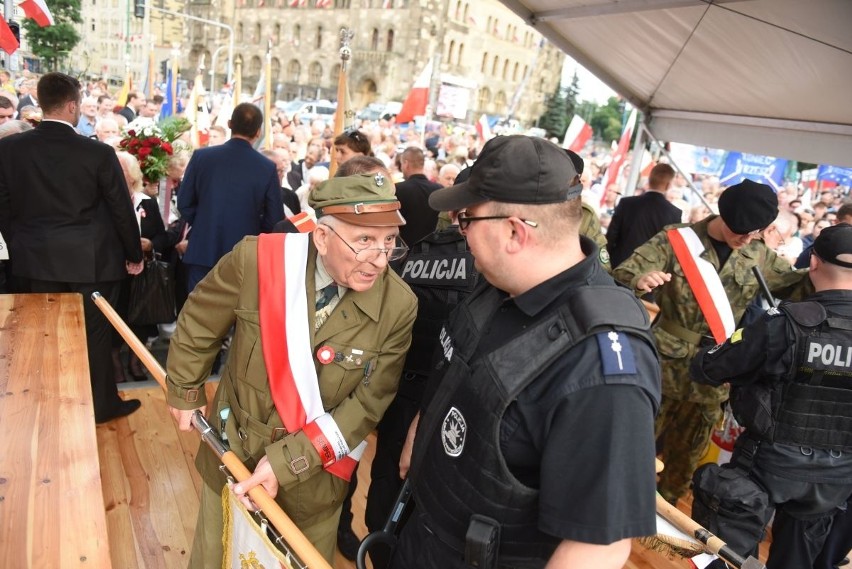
(152,294)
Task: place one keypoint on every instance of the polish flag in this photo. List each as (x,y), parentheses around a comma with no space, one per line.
(483,129)
(8,43)
(578,134)
(38,11)
(418,98)
(611,174)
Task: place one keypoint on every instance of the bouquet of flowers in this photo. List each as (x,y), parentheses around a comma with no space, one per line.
(151,143)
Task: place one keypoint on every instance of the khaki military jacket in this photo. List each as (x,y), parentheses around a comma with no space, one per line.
(590,226)
(354,390)
(681,326)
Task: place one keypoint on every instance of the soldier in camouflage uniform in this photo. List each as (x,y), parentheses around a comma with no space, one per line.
(689,411)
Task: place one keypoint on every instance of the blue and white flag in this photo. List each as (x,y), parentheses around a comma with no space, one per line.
(837,174)
(763,169)
(167,109)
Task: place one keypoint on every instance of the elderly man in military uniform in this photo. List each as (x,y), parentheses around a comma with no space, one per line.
(319,322)
(536,445)
(791,378)
(702,278)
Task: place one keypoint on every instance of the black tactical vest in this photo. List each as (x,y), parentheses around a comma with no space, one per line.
(811,405)
(457,468)
(439,269)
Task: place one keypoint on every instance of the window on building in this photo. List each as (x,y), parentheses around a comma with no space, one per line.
(494,66)
(484,62)
(294,69)
(335,73)
(93,24)
(505,69)
(315,73)
(257,36)
(374,40)
(460,55)
(275,69)
(297,35)
(466,10)
(255,66)
(500,102)
(319,37)
(457,13)
(515,72)
(239,33)
(451,52)
(277,34)
(484,98)
(390,40)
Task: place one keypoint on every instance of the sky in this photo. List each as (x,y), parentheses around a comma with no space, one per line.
(591,88)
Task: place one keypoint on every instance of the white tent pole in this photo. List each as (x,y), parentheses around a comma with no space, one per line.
(636,160)
(687,177)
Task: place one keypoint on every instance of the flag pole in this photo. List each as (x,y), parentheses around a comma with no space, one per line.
(346,36)
(267,98)
(295,539)
(152,69)
(238,80)
(175,71)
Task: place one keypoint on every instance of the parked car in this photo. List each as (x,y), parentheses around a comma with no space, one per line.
(307,110)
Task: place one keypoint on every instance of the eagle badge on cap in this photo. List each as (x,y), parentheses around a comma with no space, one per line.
(380,180)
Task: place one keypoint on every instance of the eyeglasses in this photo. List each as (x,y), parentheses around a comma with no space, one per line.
(356,135)
(464,220)
(398,251)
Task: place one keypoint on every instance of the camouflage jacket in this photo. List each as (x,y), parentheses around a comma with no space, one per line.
(590,226)
(681,325)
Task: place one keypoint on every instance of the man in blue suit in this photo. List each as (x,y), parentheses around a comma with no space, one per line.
(228,191)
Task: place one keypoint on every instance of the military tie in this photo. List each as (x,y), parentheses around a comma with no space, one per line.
(325,297)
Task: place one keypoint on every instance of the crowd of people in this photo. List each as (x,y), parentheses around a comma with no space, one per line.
(545,364)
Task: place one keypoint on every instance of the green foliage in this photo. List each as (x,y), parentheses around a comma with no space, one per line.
(605,120)
(53,43)
(554,120)
(571,97)
(173,127)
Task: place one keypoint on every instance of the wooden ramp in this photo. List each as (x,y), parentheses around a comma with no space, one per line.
(150,490)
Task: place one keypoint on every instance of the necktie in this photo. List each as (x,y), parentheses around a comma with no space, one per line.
(325,296)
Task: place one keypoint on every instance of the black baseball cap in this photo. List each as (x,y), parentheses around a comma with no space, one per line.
(513,169)
(748,206)
(834,245)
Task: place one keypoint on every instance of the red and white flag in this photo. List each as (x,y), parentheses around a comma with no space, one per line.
(386,4)
(323,3)
(611,174)
(8,43)
(38,11)
(578,134)
(483,129)
(418,98)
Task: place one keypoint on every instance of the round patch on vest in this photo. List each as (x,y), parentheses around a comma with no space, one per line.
(603,256)
(325,354)
(453,432)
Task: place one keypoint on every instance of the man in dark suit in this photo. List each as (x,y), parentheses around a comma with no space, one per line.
(413,195)
(67,214)
(638,218)
(298,173)
(135,100)
(228,191)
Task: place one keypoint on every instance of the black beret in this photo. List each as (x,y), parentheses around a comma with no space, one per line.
(834,242)
(748,206)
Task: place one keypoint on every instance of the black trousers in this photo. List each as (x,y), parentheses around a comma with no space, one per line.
(839,540)
(99,335)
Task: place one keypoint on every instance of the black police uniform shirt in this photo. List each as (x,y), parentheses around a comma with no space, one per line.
(739,360)
(573,442)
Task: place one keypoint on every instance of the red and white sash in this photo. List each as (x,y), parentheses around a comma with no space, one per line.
(282,260)
(704,282)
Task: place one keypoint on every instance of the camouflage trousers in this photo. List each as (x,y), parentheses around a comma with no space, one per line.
(683,428)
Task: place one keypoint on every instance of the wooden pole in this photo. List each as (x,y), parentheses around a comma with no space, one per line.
(303,548)
(342,99)
(267,99)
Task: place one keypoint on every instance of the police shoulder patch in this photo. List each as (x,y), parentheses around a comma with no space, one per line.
(737,336)
(616,353)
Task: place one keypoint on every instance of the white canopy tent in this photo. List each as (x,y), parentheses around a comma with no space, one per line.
(769,77)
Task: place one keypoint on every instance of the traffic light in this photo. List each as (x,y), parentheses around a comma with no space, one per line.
(15,27)
(139,8)
(164,69)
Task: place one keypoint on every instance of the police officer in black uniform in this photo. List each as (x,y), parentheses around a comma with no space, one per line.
(440,270)
(537,444)
(791,374)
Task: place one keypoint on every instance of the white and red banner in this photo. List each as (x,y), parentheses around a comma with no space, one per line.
(483,129)
(245,544)
(578,134)
(611,174)
(282,260)
(418,98)
(704,282)
(38,11)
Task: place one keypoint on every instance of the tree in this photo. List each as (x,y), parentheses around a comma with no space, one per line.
(553,121)
(606,120)
(571,94)
(53,43)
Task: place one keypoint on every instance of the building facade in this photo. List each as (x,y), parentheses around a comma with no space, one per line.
(485,59)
